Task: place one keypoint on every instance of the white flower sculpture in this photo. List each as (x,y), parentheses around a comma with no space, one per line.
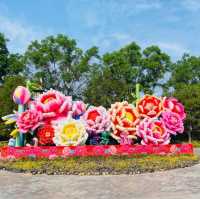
(69,132)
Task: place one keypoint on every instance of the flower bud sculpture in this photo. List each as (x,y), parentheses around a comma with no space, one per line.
(21,96)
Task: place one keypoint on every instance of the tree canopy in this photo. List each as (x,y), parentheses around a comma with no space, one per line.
(60,64)
(122,69)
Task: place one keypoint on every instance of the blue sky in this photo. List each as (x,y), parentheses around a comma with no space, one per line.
(174,25)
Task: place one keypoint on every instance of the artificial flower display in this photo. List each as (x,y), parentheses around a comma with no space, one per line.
(45,135)
(29,121)
(69,132)
(55,119)
(149,106)
(97,120)
(153,131)
(173,122)
(173,105)
(124,118)
(78,109)
(21,95)
(53,103)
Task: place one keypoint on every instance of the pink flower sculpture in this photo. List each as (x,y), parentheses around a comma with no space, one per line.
(153,131)
(124,140)
(21,95)
(173,122)
(53,104)
(78,108)
(124,118)
(175,106)
(97,120)
(29,120)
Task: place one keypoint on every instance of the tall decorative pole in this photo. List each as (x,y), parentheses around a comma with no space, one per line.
(21,96)
(137,91)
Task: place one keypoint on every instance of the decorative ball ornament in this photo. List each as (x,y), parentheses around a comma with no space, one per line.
(21,95)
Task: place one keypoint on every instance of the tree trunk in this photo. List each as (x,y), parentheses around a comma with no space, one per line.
(190,134)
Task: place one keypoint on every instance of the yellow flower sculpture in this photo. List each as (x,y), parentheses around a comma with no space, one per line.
(69,132)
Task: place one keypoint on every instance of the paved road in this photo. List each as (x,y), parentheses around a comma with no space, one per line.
(174,184)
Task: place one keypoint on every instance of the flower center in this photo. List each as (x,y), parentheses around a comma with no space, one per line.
(149,106)
(158,130)
(174,120)
(48,134)
(48,98)
(129,116)
(93,115)
(70,132)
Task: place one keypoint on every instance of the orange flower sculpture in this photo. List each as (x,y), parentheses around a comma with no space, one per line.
(124,118)
(149,106)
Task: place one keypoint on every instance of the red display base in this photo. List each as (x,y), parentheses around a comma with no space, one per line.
(91,150)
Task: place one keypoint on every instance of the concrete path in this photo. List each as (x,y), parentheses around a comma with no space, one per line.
(174,184)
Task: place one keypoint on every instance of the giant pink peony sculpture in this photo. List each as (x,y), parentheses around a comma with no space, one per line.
(97,120)
(153,131)
(78,108)
(173,122)
(29,120)
(53,104)
(173,105)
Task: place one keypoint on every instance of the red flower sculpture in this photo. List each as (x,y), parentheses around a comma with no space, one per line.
(45,135)
(149,106)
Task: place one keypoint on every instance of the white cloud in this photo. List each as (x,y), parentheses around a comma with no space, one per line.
(174,49)
(192,5)
(19,34)
(142,5)
(111,41)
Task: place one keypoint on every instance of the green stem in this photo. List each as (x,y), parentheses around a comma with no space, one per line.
(20,137)
(137,91)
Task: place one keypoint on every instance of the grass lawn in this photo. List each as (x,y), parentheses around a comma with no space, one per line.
(100,165)
(3,143)
(196,143)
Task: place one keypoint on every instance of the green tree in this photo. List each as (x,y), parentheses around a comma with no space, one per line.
(185,85)
(10,64)
(120,70)
(6,103)
(3,57)
(185,71)
(189,95)
(60,63)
